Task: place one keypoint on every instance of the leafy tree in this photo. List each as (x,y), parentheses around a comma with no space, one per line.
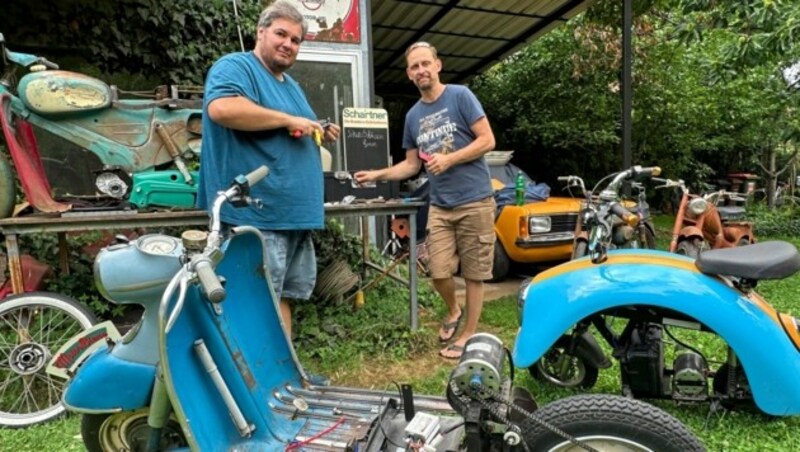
(176,41)
(556,102)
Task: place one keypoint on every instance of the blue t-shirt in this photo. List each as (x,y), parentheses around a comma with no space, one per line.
(292,192)
(443,126)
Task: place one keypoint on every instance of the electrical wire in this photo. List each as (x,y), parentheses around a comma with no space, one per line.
(299,444)
(380,417)
(682,344)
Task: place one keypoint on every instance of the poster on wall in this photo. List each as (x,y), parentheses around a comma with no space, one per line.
(331,20)
(365,133)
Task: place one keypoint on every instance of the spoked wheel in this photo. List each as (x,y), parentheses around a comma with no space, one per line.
(560,368)
(127,430)
(33,326)
(690,247)
(608,423)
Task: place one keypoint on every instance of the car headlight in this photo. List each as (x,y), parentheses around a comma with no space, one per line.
(521,296)
(537,225)
(698,206)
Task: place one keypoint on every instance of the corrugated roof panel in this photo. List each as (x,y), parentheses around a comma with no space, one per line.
(471,35)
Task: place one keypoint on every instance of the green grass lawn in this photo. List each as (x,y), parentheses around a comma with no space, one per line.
(733,431)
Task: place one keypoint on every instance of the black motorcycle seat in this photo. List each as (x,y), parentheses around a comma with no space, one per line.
(766,260)
(731,212)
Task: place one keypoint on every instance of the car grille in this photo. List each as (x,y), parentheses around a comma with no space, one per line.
(563,223)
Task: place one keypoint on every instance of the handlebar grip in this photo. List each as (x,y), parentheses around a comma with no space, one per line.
(256,175)
(628,217)
(648,171)
(209,281)
(564,178)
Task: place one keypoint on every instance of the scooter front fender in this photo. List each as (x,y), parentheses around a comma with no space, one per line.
(107,384)
(560,297)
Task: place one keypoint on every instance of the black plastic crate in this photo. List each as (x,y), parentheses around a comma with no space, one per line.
(339,184)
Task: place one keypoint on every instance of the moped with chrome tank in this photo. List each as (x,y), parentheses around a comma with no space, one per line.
(610,221)
(209,368)
(637,300)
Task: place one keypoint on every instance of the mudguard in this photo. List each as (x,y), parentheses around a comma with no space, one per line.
(107,384)
(558,298)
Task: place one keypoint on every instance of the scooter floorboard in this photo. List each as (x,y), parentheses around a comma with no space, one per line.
(336,417)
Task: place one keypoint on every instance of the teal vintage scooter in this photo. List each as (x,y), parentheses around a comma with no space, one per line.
(97,150)
(209,368)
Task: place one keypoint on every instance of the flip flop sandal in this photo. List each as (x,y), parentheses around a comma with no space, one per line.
(450,326)
(452,348)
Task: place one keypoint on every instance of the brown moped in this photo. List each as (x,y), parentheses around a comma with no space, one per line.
(704,222)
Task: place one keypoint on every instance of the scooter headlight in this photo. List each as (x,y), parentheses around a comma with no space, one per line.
(698,206)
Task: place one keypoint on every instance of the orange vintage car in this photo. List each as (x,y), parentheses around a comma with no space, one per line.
(539,231)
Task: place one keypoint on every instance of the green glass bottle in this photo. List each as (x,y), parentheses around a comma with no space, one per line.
(519,187)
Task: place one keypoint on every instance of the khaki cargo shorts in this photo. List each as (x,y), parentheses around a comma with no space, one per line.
(466,233)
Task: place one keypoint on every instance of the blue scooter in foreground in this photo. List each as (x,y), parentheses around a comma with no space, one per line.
(209,368)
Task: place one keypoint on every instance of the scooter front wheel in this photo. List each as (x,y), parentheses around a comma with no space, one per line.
(690,247)
(606,422)
(127,430)
(33,326)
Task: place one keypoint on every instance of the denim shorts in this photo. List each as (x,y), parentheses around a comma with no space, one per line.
(292,264)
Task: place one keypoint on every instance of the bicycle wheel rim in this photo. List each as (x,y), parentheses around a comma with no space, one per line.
(32,328)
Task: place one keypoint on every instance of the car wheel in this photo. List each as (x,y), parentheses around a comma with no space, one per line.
(500,263)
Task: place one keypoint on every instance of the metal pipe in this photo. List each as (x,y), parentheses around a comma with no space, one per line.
(244,427)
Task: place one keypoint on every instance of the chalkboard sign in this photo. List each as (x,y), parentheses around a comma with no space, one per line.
(366,138)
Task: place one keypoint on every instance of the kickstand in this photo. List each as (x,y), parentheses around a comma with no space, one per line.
(714,416)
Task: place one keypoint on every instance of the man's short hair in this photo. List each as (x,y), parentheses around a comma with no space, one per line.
(422,45)
(282,10)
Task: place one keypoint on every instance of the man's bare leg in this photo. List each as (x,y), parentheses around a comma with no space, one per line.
(474,296)
(286,316)
(446,287)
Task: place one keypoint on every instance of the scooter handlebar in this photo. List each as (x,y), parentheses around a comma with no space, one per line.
(646,171)
(209,281)
(256,175)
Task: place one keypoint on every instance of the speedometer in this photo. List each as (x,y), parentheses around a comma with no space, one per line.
(157,244)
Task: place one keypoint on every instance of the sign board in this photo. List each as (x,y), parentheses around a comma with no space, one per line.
(331,20)
(365,133)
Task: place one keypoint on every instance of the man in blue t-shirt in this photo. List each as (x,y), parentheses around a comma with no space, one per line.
(255,114)
(448,130)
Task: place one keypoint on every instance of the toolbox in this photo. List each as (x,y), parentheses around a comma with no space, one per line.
(339,184)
